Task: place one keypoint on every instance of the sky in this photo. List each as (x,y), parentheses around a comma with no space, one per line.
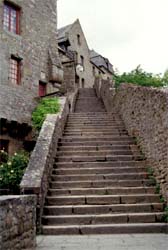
(127,32)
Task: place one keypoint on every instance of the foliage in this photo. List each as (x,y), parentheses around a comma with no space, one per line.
(152,179)
(46,106)
(165,216)
(140,77)
(11,172)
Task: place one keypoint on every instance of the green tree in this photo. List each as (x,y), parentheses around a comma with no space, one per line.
(140,77)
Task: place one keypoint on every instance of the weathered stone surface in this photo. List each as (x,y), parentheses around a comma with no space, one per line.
(17,222)
(36,177)
(37,38)
(145,114)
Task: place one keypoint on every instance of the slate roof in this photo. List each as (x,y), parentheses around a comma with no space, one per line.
(62,33)
(101,61)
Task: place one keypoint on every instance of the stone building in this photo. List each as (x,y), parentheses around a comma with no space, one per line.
(68,64)
(101,64)
(29,64)
(71,39)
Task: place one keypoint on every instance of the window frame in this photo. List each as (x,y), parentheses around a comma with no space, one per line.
(82,61)
(11,7)
(79,39)
(12,69)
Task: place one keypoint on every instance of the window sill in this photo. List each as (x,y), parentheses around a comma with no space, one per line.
(11,34)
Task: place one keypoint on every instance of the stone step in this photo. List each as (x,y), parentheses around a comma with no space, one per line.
(85,177)
(101,191)
(103,219)
(94,153)
(98,158)
(94,127)
(102,199)
(95,124)
(123,164)
(105,229)
(86,170)
(95,133)
(94,114)
(110,139)
(100,183)
(93,130)
(94,143)
(105,209)
(93,148)
(93,120)
(89,108)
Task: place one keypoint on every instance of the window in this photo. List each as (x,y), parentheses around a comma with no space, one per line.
(42,89)
(14,73)
(82,61)
(11,18)
(79,39)
(93,70)
(76,57)
(83,83)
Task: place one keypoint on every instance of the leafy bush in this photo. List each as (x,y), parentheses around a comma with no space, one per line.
(46,106)
(11,172)
(140,77)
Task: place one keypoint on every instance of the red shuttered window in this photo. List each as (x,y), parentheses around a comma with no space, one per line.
(11,18)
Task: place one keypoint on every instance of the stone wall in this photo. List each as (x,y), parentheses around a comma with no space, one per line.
(68,64)
(16,104)
(17,222)
(37,38)
(82,50)
(145,113)
(36,177)
(69,76)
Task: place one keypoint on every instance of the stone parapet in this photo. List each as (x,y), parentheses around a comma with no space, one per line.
(17,222)
(36,177)
(144,111)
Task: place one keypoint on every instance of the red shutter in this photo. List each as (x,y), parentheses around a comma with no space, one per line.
(42,89)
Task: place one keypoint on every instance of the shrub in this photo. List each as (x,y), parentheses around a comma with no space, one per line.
(140,77)
(46,106)
(11,172)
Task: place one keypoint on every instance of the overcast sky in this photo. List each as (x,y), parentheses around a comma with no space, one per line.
(128,32)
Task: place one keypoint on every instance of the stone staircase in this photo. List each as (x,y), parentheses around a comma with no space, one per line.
(99,182)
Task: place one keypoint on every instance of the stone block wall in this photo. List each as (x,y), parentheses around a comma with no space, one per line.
(144,111)
(82,49)
(16,104)
(38,37)
(37,174)
(17,222)
(69,76)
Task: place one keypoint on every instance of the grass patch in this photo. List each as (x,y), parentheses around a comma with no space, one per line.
(46,106)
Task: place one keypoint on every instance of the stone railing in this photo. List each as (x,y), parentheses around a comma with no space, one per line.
(36,177)
(144,111)
(17,222)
